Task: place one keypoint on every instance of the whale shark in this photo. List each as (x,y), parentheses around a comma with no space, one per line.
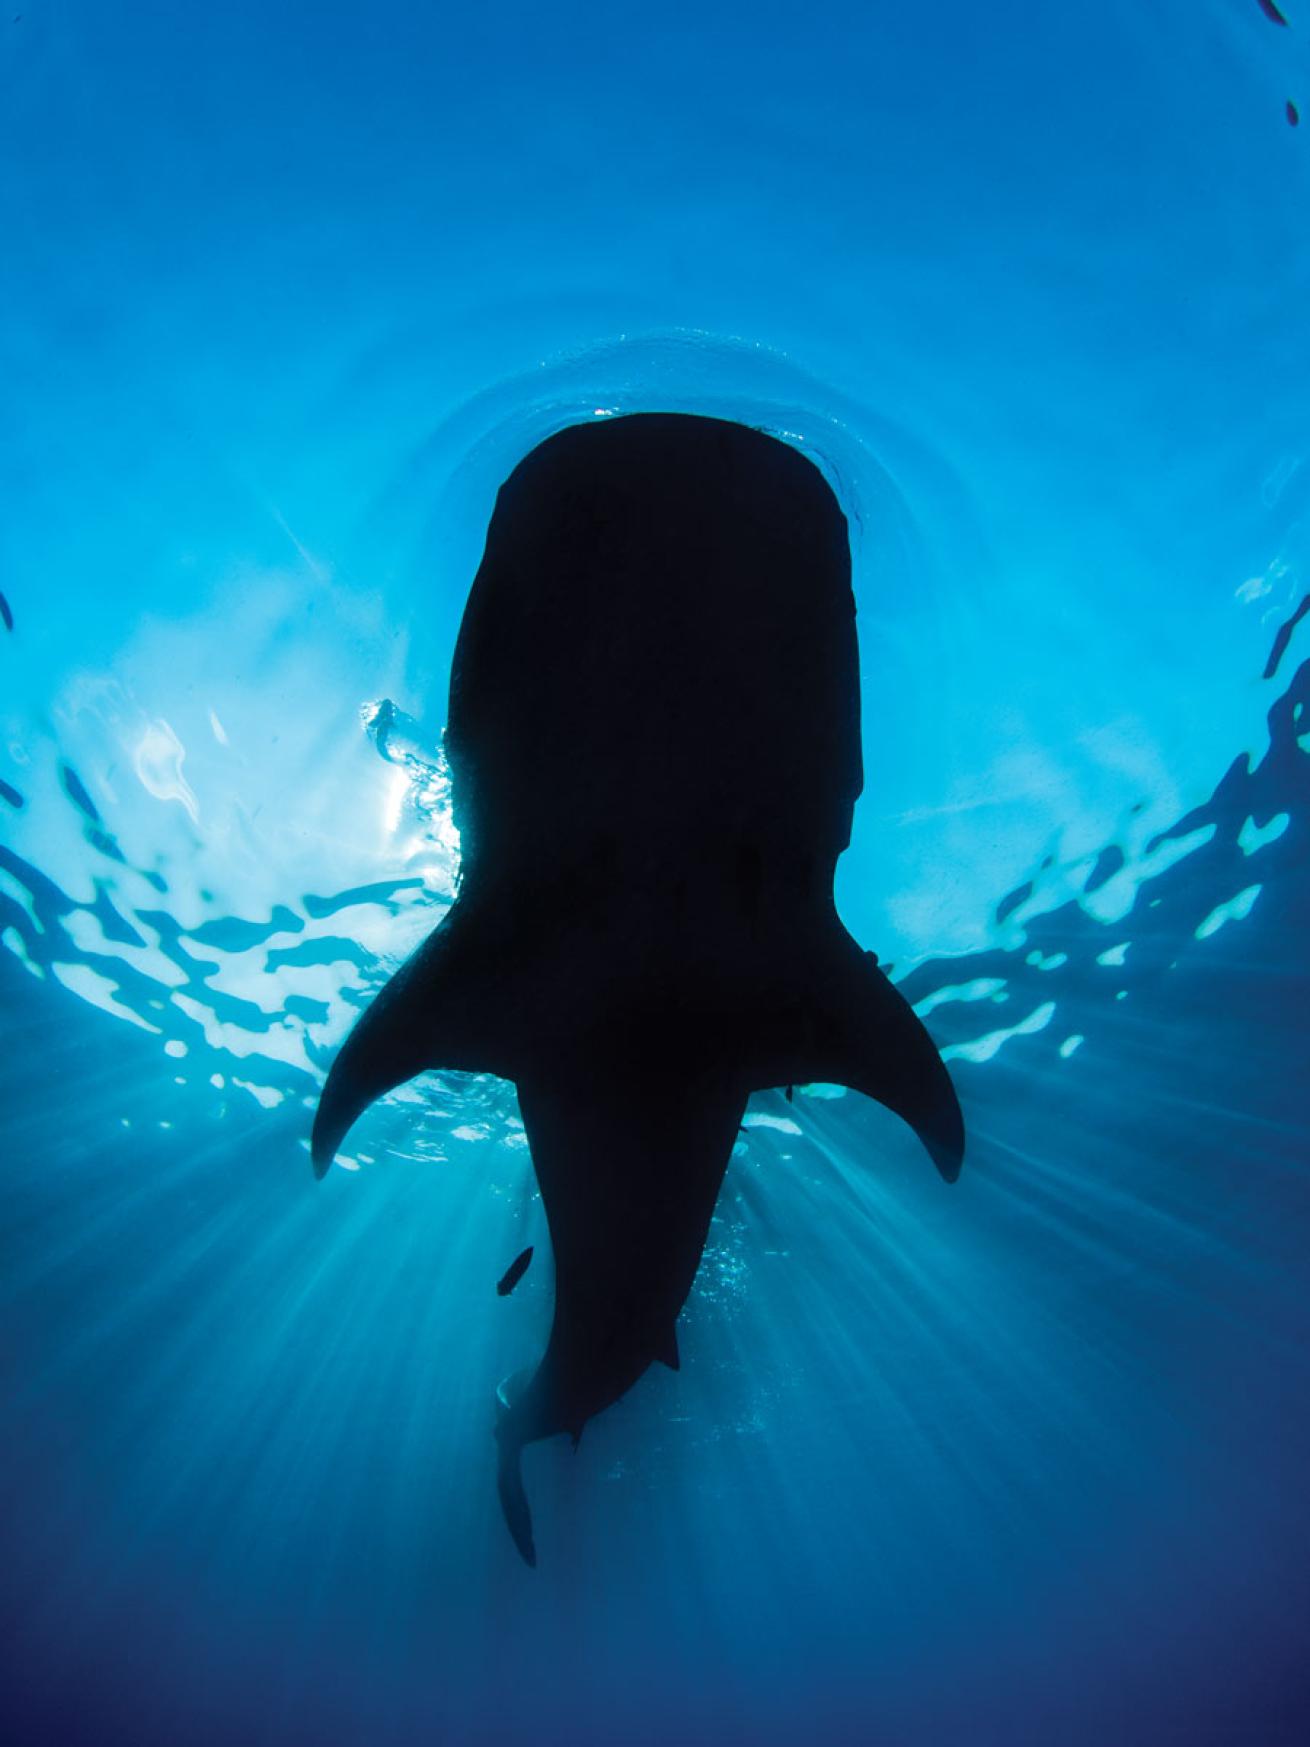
(654,743)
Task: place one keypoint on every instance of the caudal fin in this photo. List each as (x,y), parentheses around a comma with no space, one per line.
(513,1499)
(509,1469)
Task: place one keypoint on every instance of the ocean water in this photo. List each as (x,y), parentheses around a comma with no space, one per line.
(286,292)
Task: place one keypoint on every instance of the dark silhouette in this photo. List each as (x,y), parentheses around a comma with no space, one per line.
(654,743)
(1012,900)
(514,1273)
(75,789)
(1283,638)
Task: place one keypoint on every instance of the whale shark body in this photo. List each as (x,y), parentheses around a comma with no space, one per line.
(654,746)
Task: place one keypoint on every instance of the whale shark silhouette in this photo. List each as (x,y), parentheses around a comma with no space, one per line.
(654,745)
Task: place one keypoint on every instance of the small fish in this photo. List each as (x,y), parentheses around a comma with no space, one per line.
(514,1273)
(1293,114)
(1012,900)
(1284,637)
(10,794)
(1271,12)
(76,792)
(6,614)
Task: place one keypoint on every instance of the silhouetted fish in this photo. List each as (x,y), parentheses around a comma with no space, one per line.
(1284,637)
(1293,114)
(1108,863)
(10,794)
(1271,12)
(514,1273)
(6,614)
(654,746)
(1012,900)
(76,792)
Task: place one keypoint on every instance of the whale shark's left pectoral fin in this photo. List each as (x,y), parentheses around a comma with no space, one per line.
(432,1014)
(873,1041)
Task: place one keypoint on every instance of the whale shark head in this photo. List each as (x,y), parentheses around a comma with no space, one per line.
(654,741)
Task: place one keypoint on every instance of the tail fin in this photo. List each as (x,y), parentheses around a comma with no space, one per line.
(432,1014)
(513,1499)
(509,1469)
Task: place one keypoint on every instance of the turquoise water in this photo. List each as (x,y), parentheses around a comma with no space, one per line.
(287,292)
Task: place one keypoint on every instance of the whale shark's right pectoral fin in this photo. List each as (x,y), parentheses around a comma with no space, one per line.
(873,1041)
(432,1014)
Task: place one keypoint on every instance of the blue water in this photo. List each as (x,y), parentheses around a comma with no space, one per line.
(286,291)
